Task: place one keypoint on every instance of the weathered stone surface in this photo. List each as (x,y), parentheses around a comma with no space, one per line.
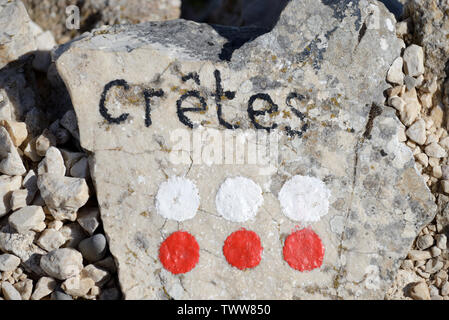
(89,219)
(28,218)
(9,262)
(7,186)
(44,287)
(62,263)
(10,161)
(16,38)
(326,77)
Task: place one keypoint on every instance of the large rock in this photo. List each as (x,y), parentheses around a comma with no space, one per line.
(315,83)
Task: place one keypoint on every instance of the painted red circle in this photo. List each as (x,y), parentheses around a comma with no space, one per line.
(243,249)
(303,250)
(180,252)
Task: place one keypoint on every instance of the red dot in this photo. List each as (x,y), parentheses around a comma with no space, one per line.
(179,253)
(303,250)
(243,249)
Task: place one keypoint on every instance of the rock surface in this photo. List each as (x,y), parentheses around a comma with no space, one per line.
(334,128)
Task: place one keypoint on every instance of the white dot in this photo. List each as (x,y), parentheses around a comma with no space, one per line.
(304,199)
(238,199)
(177,199)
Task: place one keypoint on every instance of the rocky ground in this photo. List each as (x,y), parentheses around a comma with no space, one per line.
(51,233)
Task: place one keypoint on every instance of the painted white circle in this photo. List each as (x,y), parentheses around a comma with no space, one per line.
(238,199)
(177,199)
(304,199)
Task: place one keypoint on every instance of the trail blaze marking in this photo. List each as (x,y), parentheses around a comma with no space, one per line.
(243,250)
(180,252)
(303,250)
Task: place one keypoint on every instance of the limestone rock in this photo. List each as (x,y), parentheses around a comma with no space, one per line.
(10,161)
(414,60)
(9,292)
(25,288)
(53,163)
(63,195)
(23,247)
(17,131)
(77,286)
(8,262)
(314,85)
(7,186)
(28,218)
(16,36)
(420,291)
(417,132)
(44,287)
(44,142)
(62,263)
(19,199)
(99,276)
(435,150)
(89,219)
(395,74)
(73,234)
(51,239)
(30,184)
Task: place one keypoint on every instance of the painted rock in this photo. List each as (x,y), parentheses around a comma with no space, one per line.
(245,164)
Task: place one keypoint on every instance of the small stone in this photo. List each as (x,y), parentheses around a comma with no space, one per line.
(25,288)
(397,103)
(420,291)
(17,131)
(412,107)
(30,150)
(410,82)
(62,263)
(414,60)
(53,163)
(435,251)
(28,218)
(419,255)
(433,291)
(417,132)
(7,186)
(99,276)
(44,287)
(9,262)
(9,292)
(80,169)
(401,134)
(74,234)
(433,266)
(30,184)
(430,85)
(435,150)
(395,74)
(436,172)
(445,143)
(445,289)
(55,224)
(407,264)
(433,162)
(10,162)
(89,219)
(423,159)
(395,91)
(18,199)
(437,115)
(59,295)
(77,286)
(44,142)
(424,242)
(426,100)
(51,239)
(441,241)
(63,195)
(431,138)
(93,248)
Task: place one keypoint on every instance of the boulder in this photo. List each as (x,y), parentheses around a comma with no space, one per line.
(204,104)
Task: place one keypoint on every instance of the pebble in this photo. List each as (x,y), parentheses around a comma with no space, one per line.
(419,255)
(435,251)
(417,132)
(433,266)
(30,150)
(25,288)
(53,163)
(77,286)
(414,60)
(9,262)
(423,159)
(445,289)
(426,100)
(411,109)
(18,199)
(51,239)
(424,242)
(395,74)
(10,161)
(99,276)
(89,219)
(435,150)
(63,195)
(62,263)
(44,142)
(28,218)
(441,241)
(55,224)
(9,292)
(17,131)
(7,186)
(94,248)
(397,103)
(420,291)
(30,184)
(44,287)
(437,172)
(59,295)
